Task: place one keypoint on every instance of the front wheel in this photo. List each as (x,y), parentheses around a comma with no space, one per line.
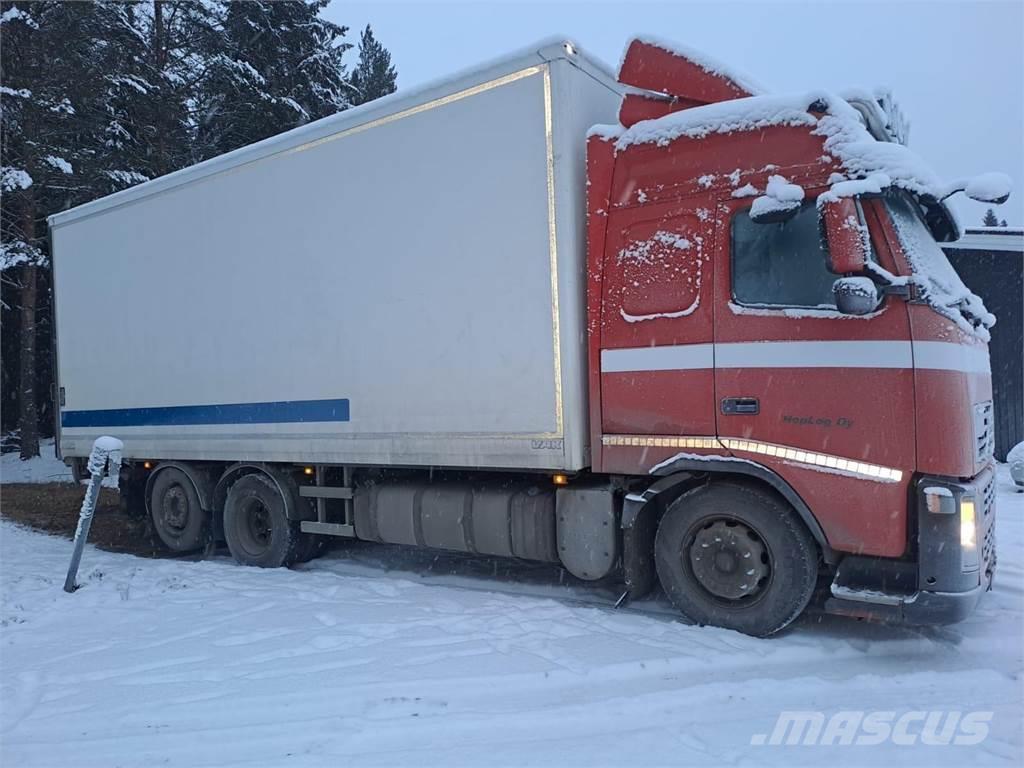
(736,556)
(256,525)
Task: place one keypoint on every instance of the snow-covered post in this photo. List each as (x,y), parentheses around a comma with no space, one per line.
(105,459)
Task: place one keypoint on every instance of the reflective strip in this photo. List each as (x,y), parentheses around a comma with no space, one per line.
(661,441)
(680,357)
(785,452)
(899,355)
(944,356)
(873,471)
(814,354)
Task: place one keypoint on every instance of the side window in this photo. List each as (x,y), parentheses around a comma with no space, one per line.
(780,264)
(660,269)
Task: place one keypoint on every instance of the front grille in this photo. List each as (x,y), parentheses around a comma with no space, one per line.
(984,433)
(988,522)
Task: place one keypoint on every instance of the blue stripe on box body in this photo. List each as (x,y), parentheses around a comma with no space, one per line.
(280,412)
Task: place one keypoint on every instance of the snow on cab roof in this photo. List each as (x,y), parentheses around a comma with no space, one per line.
(862,156)
(866,134)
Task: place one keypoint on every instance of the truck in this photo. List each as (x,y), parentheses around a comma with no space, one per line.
(657,327)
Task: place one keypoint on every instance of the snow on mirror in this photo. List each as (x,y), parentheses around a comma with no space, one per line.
(780,202)
(985,188)
(855,295)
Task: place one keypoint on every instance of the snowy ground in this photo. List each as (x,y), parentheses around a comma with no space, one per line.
(44,468)
(164,662)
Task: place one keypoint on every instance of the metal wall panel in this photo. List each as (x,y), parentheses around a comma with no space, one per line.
(416,275)
(998,277)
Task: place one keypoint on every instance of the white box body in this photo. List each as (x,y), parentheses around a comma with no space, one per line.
(400,284)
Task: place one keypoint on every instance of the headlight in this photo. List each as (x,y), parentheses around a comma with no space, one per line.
(968,533)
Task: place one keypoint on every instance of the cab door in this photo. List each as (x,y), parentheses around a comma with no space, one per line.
(657,322)
(825,400)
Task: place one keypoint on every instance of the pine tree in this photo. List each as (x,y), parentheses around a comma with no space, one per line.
(1002,223)
(164,47)
(81,118)
(281,66)
(990,219)
(374,75)
(49,64)
(97,96)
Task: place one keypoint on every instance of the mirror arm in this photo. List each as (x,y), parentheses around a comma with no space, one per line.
(887,283)
(903,291)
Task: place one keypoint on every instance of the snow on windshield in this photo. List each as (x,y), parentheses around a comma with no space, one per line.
(941,286)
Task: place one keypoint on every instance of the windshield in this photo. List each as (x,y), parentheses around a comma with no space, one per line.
(937,282)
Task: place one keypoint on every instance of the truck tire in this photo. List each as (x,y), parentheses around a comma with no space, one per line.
(310,547)
(178,516)
(736,556)
(256,524)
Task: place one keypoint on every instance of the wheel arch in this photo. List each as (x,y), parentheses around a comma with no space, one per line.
(721,469)
(200,478)
(642,511)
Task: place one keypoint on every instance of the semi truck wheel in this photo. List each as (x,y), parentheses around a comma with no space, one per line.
(256,524)
(736,556)
(178,517)
(310,547)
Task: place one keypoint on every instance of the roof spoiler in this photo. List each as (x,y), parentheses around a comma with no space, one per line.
(675,80)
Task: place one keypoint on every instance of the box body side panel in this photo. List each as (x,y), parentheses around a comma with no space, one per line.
(380,296)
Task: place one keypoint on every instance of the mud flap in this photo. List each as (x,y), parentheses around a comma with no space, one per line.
(638,551)
(640,515)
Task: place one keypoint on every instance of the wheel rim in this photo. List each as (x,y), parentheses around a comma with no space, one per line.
(256,529)
(728,559)
(174,510)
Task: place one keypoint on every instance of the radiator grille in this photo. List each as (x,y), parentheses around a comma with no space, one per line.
(984,433)
(988,522)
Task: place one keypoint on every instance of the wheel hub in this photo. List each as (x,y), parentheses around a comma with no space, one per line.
(729,560)
(175,508)
(258,520)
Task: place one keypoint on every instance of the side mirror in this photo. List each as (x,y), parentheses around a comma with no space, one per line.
(768,210)
(855,295)
(780,202)
(985,188)
(845,235)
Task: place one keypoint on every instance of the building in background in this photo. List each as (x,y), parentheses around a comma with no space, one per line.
(991,261)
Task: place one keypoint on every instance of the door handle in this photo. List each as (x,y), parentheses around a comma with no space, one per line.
(749,406)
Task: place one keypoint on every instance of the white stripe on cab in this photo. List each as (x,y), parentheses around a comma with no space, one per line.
(930,355)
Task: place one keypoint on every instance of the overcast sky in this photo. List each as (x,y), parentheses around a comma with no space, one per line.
(956,68)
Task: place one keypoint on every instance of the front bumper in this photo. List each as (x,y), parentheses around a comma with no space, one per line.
(935,587)
(922,607)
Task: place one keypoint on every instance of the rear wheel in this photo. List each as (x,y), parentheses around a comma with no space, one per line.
(178,517)
(256,524)
(736,556)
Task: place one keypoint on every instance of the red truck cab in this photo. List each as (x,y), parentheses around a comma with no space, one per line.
(774,327)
